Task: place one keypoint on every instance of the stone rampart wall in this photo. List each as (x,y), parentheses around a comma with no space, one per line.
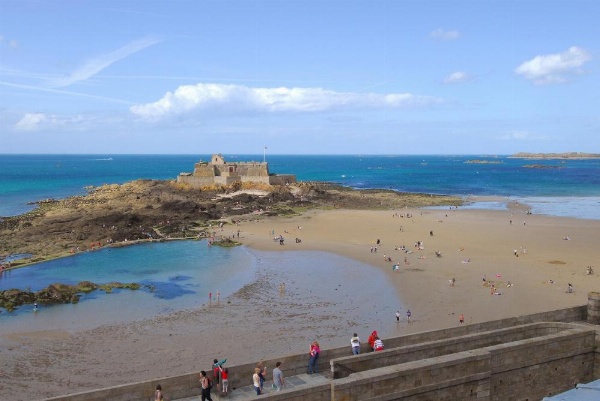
(240,375)
(343,367)
(450,377)
(282,179)
(527,369)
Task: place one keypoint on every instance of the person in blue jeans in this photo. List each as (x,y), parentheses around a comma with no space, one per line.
(315,350)
(256,381)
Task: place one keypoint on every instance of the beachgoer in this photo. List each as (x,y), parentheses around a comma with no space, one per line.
(355,344)
(408,315)
(461,318)
(570,288)
(315,350)
(35,307)
(398,316)
(371,340)
(225,380)
(216,372)
(158,396)
(206,386)
(256,381)
(261,374)
(278,379)
(378,344)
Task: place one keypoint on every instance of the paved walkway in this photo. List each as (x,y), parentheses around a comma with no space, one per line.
(248,393)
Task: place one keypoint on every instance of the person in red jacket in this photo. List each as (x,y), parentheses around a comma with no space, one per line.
(372,340)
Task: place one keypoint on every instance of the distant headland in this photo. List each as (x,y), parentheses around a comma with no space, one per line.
(567,155)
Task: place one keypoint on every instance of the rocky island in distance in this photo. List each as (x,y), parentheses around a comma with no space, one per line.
(566,155)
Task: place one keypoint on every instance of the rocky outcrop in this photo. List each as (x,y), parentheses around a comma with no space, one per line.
(152,210)
(56,294)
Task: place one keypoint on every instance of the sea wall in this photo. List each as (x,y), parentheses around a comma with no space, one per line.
(524,357)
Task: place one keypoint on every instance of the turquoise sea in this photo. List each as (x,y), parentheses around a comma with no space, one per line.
(562,188)
(179,275)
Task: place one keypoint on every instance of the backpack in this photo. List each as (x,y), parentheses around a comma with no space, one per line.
(209,383)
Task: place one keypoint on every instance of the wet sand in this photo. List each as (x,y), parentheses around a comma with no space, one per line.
(259,322)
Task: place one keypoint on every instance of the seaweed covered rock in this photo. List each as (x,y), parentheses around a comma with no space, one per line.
(56,293)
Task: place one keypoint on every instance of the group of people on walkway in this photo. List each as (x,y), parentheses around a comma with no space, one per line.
(258,378)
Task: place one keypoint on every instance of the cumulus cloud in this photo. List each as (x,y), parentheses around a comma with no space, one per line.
(554,68)
(457,77)
(270,100)
(441,34)
(97,64)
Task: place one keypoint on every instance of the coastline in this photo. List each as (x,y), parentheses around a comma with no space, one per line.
(257,322)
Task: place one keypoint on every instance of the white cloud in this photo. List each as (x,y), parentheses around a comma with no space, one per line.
(440,34)
(97,64)
(270,100)
(457,77)
(39,121)
(31,121)
(554,68)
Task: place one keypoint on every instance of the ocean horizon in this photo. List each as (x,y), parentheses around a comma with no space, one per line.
(568,188)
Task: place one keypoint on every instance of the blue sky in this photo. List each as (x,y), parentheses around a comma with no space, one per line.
(300,77)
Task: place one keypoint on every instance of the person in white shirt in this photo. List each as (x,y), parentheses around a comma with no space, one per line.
(378,344)
(355,343)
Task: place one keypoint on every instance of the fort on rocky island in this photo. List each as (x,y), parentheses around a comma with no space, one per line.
(218,171)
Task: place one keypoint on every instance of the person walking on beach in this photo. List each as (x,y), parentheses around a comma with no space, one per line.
(355,344)
(278,380)
(461,318)
(256,381)
(315,350)
(398,316)
(206,386)
(408,315)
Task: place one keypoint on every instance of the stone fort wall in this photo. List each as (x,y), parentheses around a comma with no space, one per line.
(219,172)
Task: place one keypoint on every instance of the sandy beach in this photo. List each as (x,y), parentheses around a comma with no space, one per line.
(538,255)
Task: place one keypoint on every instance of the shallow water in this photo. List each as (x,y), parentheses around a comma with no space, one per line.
(175,275)
(183,273)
